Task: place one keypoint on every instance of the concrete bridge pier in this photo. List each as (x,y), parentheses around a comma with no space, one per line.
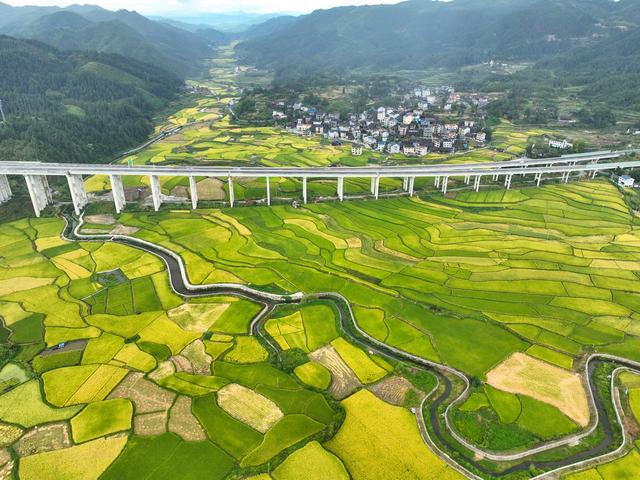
(467,179)
(411,183)
(565,177)
(155,192)
(117,189)
(341,188)
(539,175)
(405,184)
(437,182)
(193,190)
(476,183)
(445,182)
(376,186)
(268,192)
(78,194)
(304,189)
(231,192)
(38,191)
(594,173)
(507,181)
(5,189)
(495,177)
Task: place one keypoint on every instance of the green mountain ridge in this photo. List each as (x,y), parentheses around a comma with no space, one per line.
(422,33)
(88,27)
(76,106)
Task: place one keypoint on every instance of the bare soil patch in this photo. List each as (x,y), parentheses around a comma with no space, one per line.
(180,191)
(183,422)
(392,389)
(149,424)
(210,189)
(196,354)
(249,407)
(123,230)
(105,219)
(525,375)
(6,465)
(145,395)
(182,364)
(44,439)
(344,382)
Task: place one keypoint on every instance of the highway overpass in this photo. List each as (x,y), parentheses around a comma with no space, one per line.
(36,173)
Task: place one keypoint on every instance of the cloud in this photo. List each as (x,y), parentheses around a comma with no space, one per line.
(190,7)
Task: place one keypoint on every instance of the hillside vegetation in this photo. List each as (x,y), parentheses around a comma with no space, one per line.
(75,106)
(89,27)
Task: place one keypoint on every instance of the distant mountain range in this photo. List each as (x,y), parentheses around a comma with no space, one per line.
(233,22)
(89,27)
(423,33)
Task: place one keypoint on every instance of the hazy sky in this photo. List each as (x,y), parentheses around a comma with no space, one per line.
(188,7)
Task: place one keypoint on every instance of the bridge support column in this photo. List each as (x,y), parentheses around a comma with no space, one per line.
(405,184)
(476,183)
(495,177)
(565,177)
(231,192)
(594,173)
(155,192)
(376,187)
(38,191)
(193,190)
(467,179)
(445,183)
(507,181)
(5,189)
(411,184)
(437,182)
(268,192)
(341,188)
(304,189)
(538,179)
(117,190)
(78,194)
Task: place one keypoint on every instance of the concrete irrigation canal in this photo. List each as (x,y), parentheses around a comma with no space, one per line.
(438,432)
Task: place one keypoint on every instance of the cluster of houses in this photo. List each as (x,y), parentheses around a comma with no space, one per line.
(412,131)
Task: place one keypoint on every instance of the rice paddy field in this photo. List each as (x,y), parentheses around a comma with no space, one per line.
(107,373)
(513,288)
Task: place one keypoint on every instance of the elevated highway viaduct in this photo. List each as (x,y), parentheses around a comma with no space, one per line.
(36,173)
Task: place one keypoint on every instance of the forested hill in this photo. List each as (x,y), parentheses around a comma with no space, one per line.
(75,106)
(425,33)
(89,27)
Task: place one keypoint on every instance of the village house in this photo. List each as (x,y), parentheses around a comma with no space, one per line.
(393,148)
(356,150)
(626,181)
(562,145)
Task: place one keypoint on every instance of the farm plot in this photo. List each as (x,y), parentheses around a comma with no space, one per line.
(378,440)
(86,462)
(526,375)
(311,462)
(249,407)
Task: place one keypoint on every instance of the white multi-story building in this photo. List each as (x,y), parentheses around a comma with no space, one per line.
(561,144)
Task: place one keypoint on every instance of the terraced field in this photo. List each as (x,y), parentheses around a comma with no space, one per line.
(539,277)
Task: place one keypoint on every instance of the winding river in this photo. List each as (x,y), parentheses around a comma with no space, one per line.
(518,461)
